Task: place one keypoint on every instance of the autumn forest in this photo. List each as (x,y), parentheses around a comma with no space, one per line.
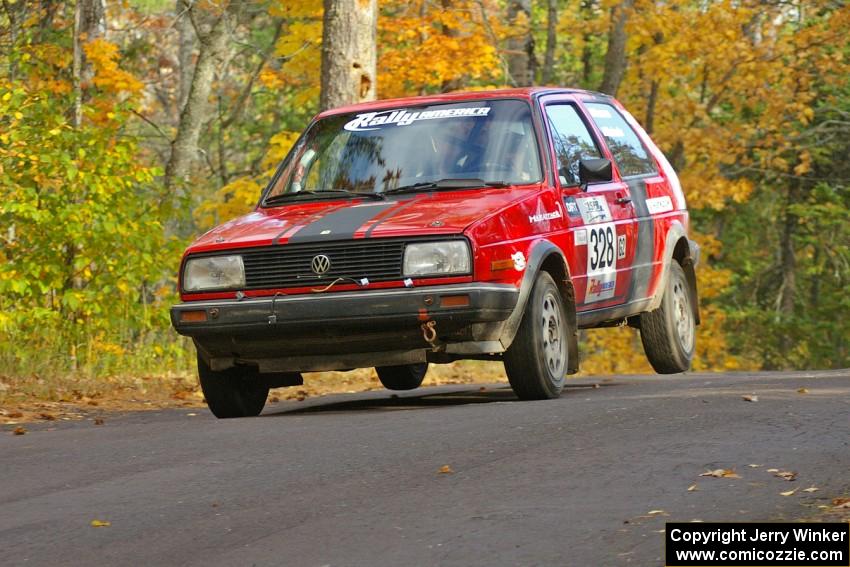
(127,128)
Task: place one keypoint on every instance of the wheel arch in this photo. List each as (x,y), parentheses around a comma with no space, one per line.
(679,248)
(548,257)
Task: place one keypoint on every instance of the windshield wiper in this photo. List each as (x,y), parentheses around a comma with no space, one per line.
(326,193)
(448,183)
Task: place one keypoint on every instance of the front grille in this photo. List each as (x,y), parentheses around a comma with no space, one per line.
(289,265)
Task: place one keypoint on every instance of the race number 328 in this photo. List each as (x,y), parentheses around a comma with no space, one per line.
(601,262)
(600,248)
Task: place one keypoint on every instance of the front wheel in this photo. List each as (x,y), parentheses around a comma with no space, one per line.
(668,333)
(235,392)
(403,377)
(536,362)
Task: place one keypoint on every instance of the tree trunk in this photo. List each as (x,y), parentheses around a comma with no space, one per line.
(788,260)
(454,83)
(788,264)
(615,56)
(89,24)
(520,47)
(551,41)
(586,11)
(349,52)
(649,122)
(185,48)
(212,39)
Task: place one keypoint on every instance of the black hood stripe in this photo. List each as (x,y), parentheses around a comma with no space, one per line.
(390,213)
(340,224)
(314,216)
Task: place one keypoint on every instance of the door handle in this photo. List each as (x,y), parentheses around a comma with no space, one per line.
(623,200)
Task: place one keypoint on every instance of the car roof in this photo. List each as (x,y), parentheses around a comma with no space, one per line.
(522,92)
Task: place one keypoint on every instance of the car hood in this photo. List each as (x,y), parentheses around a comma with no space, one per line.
(427,213)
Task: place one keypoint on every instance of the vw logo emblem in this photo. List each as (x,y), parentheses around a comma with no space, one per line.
(320,264)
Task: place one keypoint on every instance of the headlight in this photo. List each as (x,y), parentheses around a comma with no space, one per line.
(213,272)
(437,258)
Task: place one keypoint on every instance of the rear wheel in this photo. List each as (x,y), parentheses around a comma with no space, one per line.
(235,392)
(668,333)
(536,362)
(404,377)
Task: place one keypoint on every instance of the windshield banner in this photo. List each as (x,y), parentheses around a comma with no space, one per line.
(374,120)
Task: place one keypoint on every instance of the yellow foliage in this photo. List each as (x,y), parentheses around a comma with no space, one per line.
(427,47)
(241,195)
(615,350)
(103,56)
(279,146)
(300,46)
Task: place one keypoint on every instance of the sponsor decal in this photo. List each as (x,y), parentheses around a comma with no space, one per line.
(594,209)
(581,237)
(572,207)
(601,288)
(610,132)
(519,261)
(376,120)
(601,262)
(659,205)
(597,112)
(544,216)
(621,246)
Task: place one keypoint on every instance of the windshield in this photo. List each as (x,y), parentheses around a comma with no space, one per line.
(375,152)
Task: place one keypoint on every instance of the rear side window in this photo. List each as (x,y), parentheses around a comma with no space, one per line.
(571,139)
(631,155)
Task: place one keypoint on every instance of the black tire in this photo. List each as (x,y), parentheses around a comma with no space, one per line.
(404,377)
(536,362)
(668,333)
(235,392)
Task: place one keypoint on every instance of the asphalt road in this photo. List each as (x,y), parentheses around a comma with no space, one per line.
(589,479)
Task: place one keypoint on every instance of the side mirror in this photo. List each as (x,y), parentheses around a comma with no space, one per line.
(593,170)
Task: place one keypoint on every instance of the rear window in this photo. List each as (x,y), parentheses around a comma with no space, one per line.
(631,155)
(372,152)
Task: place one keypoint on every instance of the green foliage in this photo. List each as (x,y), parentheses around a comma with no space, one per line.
(86,269)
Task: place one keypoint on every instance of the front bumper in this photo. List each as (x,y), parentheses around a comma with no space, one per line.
(254,329)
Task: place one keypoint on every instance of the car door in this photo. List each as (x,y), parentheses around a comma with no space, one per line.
(649,191)
(600,216)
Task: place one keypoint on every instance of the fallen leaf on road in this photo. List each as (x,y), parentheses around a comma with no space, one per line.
(811,489)
(789,492)
(752,398)
(803,391)
(446,469)
(754,466)
(19,430)
(100,524)
(656,512)
(191,414)
(841,503)
(772,470)
(98,421)
(692,488)
(721,473)
(785,475)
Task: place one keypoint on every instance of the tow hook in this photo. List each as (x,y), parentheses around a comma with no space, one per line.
(429,333)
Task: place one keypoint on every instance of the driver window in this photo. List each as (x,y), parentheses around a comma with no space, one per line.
(572,141)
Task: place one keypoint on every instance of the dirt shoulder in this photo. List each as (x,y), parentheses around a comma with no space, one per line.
(182,391)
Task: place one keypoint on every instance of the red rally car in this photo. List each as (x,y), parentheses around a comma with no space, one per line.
(489,225)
